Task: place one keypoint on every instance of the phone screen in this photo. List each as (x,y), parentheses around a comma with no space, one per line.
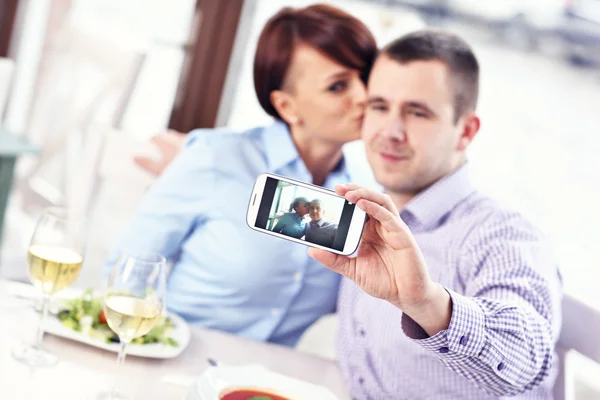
(304,213)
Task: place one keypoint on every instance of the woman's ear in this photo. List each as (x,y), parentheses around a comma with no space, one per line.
(285,105)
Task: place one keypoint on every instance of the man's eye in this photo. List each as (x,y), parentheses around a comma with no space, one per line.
(418,113)
(378,107)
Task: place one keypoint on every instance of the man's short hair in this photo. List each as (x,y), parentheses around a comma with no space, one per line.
(317,201)
(454,52)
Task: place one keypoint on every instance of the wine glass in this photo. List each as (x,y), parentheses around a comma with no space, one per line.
(55,255)
(134,302)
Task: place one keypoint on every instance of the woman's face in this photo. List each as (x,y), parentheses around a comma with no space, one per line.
(302,208)
(327,98)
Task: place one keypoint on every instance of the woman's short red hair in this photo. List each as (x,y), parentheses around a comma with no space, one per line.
(333,32)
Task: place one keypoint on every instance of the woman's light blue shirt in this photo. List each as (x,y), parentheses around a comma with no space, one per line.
(226,276)
(291,224)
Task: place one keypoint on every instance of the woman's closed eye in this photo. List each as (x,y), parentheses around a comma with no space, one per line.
(337,86)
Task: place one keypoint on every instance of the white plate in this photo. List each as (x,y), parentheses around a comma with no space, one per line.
(180,333)
(215,380)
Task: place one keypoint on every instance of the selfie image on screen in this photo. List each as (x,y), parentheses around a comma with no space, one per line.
(305,214)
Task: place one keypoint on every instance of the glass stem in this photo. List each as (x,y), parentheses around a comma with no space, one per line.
(43,314)
(120,362)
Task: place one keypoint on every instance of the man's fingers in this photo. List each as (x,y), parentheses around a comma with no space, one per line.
(149,165)
(389,221)
(373,196)
(341,190)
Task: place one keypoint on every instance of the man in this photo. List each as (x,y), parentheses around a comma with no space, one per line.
(319,230)
(453,297)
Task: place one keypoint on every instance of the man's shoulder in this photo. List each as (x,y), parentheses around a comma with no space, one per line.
(330,225)
(487,218)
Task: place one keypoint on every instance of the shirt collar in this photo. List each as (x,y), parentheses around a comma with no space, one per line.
(281,150)
(319,222)
(435,202)
(279,146)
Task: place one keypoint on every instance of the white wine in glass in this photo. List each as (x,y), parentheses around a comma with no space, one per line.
(134,302)
(55,256)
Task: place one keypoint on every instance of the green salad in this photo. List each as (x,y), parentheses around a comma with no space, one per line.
(86,314)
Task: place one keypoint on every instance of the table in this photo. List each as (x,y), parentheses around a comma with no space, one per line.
(84,371)
(11,147)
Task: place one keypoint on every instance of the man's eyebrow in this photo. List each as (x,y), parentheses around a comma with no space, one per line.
(376,99)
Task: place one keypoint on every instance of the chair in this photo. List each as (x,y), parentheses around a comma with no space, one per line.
(6,69)
(83,96)
(580,333)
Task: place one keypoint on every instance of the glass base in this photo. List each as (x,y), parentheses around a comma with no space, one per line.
(34,356)
(114,395)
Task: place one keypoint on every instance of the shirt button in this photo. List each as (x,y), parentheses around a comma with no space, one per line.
(463,340)
(444,350)
(361,380)
(275,312)
(500,366)
(362,332)
(297,277)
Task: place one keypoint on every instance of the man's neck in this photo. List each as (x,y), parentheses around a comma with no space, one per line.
(400,200)
(320,157)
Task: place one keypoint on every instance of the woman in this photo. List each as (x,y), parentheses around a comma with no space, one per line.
(309,72)
(293,223)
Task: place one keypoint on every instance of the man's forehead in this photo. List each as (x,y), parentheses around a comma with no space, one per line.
(415,80)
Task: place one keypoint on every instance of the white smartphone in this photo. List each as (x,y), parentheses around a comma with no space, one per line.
(305,214)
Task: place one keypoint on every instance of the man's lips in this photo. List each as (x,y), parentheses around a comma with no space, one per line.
(391,157)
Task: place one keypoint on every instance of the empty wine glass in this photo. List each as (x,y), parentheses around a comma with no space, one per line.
(55,255)
(134,302)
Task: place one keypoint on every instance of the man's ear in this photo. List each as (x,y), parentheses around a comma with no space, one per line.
(285,105)
(470,126)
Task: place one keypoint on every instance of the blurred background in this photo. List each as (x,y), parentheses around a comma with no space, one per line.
(84,84)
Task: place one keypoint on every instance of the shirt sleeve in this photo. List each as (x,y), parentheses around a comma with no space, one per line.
(504,327)
(173,206)
(280,224)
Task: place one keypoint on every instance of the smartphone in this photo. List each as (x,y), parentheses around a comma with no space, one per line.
(305,214)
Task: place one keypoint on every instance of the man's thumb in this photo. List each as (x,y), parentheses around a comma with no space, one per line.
(329,260)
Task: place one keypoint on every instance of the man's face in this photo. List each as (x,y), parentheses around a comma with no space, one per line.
(316,211)
(409,131)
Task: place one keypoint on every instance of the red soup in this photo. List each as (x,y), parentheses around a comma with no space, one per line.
(250,394)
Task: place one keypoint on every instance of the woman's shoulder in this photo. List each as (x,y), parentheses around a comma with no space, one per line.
(224,138)
(226,150)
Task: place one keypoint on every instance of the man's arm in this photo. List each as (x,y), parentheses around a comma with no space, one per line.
(503,330)
(509,318)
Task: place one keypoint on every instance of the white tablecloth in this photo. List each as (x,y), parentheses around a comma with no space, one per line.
(84,371)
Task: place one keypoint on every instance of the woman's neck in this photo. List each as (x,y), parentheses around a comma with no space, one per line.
(320,157)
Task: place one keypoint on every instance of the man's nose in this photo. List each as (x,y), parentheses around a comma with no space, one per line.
(394,129)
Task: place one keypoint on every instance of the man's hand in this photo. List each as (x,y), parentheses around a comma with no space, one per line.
(169,144)
(389,264)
